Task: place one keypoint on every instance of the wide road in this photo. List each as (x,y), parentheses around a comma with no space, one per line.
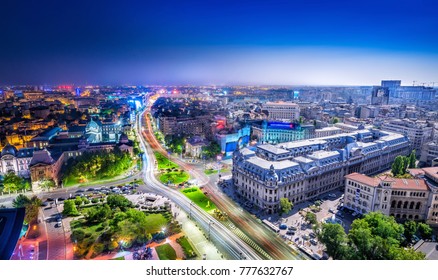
(250,229)
(224,239)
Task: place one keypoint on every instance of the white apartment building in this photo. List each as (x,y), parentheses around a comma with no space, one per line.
(418,132)
(282,110)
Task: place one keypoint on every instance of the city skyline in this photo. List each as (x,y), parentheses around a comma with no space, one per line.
(220,42)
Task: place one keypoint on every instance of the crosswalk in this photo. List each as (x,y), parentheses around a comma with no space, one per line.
(246,239)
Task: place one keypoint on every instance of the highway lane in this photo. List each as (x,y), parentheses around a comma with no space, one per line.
(233,247)
(248,224)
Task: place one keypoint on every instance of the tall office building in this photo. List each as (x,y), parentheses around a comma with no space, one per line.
(380,96)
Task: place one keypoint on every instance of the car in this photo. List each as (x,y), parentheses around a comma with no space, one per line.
(331,210)
(112,187)
(292,228)
(332,195)
(91,189)
(80,191)
(312,235)
(58,224)
(50,199)
(290,232)
(306,237)
(61,199)
(283,226)
(45,204)
(313,242)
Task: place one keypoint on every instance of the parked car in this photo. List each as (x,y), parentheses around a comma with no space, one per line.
(290,232)
(283,226)
(331,210)
(292,228)
(312,235)
(313,242)
(332,195)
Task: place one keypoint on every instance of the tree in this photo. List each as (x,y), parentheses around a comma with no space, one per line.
(70,208)
(424,230)
(378,237)
(397,166)
(412,159)
(335,120)
(48,184)
(311,218)
(119,201)
(13,183)
(32,209)
(98,214)
(411,228)
(335,240)
(20,201)
(211,150)
(285,205)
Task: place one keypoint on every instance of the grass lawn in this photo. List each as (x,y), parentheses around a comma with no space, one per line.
(199,198)
(166,252)
(214,171)
(175,177)
(119,258)
(163,162)
(187,248)
(155,222)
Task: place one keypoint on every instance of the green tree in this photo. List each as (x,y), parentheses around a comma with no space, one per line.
(20,201)
(48,184)
(211,150)
(285,205)
(397,166)
(410,228)
(13,183)
(335,240)
(70,208)
(119,201)
(311,218)
(412,159)
(424,230)
(32,209)
(98,214)
(335,120)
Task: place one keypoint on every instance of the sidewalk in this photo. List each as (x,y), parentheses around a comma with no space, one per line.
(196,236)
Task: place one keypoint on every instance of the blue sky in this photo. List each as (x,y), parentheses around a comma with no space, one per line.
(222,42)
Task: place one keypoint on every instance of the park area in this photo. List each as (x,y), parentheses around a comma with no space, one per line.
(199,198)
(163,162)
(169,171)
(116,225)
(166,252)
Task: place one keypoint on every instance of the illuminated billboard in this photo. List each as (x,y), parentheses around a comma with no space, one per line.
(283,125)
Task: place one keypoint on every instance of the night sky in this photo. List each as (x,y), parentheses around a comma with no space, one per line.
(315,42)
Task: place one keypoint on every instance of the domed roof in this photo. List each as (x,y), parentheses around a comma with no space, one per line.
(9,150)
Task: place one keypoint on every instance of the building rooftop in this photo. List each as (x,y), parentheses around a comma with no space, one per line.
(323,154)
(308,142)
(265,164)
(361,178)
(273,149)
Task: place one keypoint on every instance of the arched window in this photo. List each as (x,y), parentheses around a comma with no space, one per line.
(399,204)
(416,217)
(418,206)
(411,206)
(404,216)
(405,205)
(393,203)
